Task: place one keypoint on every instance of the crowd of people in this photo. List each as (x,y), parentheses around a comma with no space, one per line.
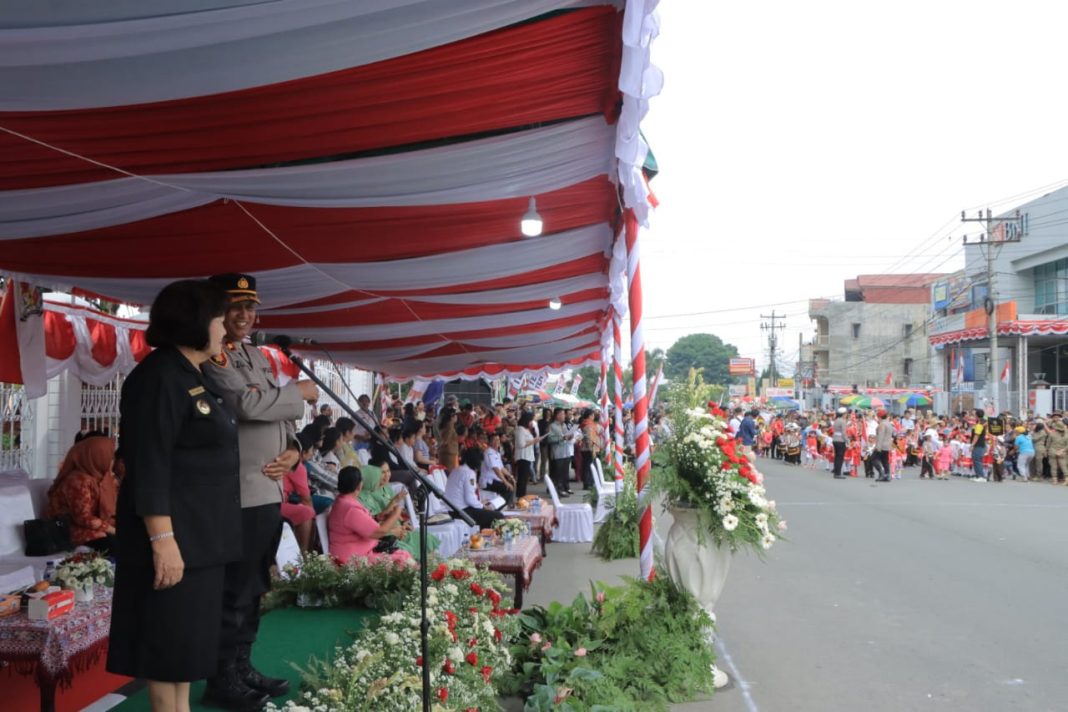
(848,442)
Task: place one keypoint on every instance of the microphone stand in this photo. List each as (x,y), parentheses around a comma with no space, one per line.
(426,483)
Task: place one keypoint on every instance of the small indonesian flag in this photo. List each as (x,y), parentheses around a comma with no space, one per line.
(1005,373)
(889,377)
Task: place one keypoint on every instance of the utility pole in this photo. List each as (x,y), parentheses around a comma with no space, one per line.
(773,338)
(998,232)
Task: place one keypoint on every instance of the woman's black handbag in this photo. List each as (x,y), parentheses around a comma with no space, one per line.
(47,536)
(386,545)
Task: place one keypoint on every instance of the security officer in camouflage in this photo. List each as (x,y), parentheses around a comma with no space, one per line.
(266,414)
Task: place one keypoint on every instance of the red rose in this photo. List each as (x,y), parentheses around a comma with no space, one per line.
(472,659)
(419,661)
(486,672)
(449,667)
(472,643)
(459,574)
(443,694)
(472,609)
(497,635)
(476,589)
(450,619)
(439,572)
(494,597)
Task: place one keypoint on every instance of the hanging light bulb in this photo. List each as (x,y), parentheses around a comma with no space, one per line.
(555,303)
(531,223)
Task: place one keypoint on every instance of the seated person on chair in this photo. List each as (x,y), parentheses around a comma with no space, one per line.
(493,475)
(462,489)
(354,532)
(323,484)
(378,497)
(86,491)
(298,505)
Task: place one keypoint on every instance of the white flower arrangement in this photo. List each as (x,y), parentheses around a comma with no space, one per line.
(515,527)
(701,467)
(82,570)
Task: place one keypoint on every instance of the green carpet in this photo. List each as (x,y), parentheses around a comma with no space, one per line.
(287,635)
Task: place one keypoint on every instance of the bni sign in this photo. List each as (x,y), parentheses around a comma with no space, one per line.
(741,367)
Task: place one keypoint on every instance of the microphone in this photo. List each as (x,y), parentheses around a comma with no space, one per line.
(282,341)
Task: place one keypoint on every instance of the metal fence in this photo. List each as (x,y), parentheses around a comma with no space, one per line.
(16,428)
(100,407)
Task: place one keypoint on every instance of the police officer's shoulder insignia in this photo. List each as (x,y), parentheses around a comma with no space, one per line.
(203,407)
(221,360)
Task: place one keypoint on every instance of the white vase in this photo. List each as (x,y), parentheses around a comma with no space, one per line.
(84,594)
(700,568)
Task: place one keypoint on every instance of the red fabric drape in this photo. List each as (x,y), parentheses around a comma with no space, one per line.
(219,237)
(10,366)
(59,336)
(563,66)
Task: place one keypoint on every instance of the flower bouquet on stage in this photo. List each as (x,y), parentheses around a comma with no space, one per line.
(81,572)
(715,495)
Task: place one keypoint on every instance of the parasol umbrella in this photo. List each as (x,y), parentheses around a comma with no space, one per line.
(867,402)
(539,396)
(848,400)
(784,403)
(915,400)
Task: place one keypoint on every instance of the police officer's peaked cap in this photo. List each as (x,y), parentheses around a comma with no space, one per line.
(240,287)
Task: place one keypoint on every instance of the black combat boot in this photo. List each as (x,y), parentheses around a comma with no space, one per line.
(271,686)
(229,691)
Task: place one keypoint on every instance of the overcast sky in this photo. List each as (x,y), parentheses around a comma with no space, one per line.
(801,144)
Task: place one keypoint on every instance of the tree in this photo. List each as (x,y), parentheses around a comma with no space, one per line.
(704,351)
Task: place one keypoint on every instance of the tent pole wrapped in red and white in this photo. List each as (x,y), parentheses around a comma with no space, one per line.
(367,162)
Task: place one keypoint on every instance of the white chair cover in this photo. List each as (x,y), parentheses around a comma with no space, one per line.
(450,534)
(288,550)
(320,526)
(574,521)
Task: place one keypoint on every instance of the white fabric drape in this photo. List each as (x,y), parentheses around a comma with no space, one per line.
(639,81)
(515,165)
(65,56)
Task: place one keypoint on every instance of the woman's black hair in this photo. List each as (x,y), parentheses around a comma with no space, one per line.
(323,421)
(330,438)
(411,429)
(472,457)
(307,440)
(526,419)
(395,435)
(349,479)
(345,425)
(460,428)
(315,432)
(409,410)
(182,312)
(379,452)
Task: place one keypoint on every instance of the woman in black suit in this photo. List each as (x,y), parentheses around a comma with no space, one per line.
(179,514)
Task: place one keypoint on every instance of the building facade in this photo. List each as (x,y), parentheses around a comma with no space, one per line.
(876,335)
(1029,289)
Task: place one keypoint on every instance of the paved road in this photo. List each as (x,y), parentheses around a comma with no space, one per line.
(912,595)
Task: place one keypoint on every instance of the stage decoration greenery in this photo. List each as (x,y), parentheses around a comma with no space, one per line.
(701,467)
(318,581)
(617,537)
(633,648)
(469,651)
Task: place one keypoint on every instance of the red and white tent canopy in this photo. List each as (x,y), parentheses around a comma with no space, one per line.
(367,161)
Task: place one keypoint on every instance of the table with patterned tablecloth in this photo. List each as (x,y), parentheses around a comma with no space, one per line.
(542,521)
(518,560)
(53,651)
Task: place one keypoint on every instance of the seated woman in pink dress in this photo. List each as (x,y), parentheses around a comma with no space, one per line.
(353,531)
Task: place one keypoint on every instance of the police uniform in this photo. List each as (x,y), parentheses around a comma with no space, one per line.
(179,447)
(266,413)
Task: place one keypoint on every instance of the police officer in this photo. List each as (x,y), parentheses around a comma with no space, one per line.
(268,449)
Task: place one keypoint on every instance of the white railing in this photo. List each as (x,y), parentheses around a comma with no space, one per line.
(100,407)
(16,428)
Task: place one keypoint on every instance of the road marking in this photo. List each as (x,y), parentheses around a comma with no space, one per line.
(736,676)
